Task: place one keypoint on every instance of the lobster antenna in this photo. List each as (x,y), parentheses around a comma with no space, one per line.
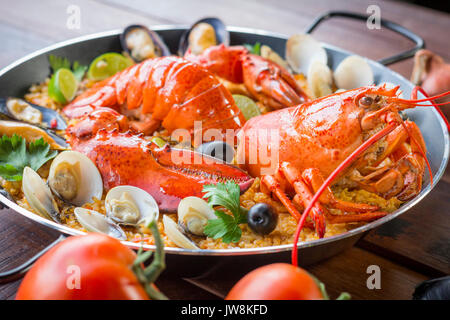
(414,94)
(363,147)
(427,97)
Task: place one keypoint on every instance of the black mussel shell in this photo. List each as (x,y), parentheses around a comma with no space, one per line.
(217,149)
(157,40)
(48,115)
(222,34)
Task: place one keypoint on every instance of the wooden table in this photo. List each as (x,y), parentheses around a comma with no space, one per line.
(408,250)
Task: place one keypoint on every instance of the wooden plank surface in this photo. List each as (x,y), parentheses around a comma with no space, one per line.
(409,249)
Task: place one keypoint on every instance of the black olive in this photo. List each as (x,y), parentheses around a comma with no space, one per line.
(434,289)
(217,149)
(262,219)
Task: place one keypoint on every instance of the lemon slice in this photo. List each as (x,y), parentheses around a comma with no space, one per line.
(248,107)
(63,86)
(107,65)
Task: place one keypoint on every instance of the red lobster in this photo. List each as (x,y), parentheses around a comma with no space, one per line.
(124,157)
(267,81)
(319,139)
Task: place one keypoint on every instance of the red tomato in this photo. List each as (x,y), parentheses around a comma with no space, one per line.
(93,266)
(278,281)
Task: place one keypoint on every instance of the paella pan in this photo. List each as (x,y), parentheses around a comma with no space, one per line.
(275,240)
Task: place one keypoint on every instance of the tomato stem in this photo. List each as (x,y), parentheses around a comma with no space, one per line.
(344,296)
(147,276)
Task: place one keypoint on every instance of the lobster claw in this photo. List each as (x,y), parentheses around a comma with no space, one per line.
(183,173)
(126,158)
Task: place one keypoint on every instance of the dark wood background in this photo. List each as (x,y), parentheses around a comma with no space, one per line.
(410,249)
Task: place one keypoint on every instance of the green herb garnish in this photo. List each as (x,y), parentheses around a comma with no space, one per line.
(57,63)
(255,49)
(225,226)
(15,156)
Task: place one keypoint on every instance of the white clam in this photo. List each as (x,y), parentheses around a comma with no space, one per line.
(94,221)
(353,72)
(38,195)
(320,79)
(302,50)
(130,205)
(193,215)
(74,178)
(175,234)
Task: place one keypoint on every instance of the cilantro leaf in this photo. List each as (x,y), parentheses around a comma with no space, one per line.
(15,156)
(254,49)
(60,62)
(79,70)
(225,226)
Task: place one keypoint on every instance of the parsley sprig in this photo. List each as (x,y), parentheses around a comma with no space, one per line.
(255,49)
(61,62)
(225,226)
(15,156)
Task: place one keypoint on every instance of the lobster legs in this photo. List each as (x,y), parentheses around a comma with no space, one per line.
(401,176)
(305,185)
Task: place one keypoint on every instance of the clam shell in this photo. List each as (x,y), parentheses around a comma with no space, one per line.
(302,50)
(38,195)
(148,208)
(94,221)
(353,72)
(174,233)
(193,214)
(88,179)
(221,32)
(320,79)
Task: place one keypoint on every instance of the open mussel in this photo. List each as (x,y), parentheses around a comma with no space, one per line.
(202,34)
(141,43)
(74,178)
(23,111)
(94,221)
(31,133)
(131,206)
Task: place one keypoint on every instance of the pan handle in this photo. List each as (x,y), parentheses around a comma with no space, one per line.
(20,271)
(420,44)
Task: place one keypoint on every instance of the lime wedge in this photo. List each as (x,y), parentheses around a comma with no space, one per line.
(63,86)
(248,107)
(107,65)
